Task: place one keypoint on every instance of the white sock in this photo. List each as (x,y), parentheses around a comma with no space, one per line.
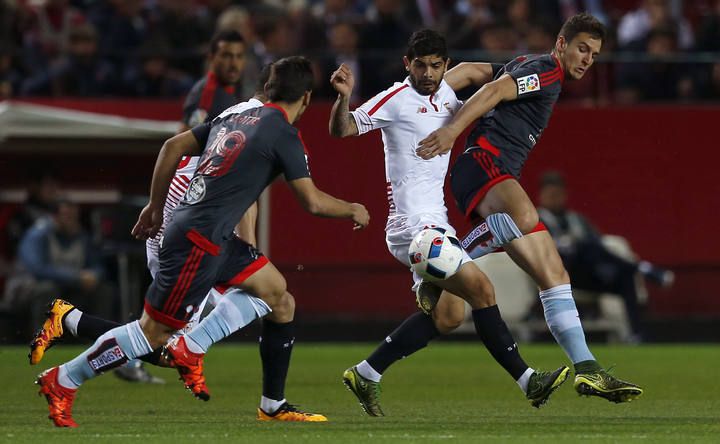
(367,372)
(71,321)
(270,405)
(524,379)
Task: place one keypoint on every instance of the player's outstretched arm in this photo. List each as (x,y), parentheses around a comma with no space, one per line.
(341,122)
(441,140)
(469,73)
(319,203)
(150,219)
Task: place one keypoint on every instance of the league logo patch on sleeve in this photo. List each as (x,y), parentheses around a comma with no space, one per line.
(528,84)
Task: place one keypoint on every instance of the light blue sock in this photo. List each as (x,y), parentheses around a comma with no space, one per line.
(563,320)
(111,350)
(497,230)
(235,310)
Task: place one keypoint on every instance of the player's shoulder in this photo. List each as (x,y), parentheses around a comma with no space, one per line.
(240,108)
(538,62)
(195,92)
(396,91)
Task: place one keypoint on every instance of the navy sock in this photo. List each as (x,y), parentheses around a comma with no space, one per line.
(276,343)
(498,340)
(412,335)
(92,327)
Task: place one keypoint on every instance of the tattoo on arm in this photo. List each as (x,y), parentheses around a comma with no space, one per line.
(341,123)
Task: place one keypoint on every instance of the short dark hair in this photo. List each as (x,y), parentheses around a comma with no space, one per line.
(427,42)
(263,78)
(291,77)
(582,22)
(224,36)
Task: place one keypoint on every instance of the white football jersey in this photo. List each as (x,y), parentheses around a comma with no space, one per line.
(405,117)
(178,187)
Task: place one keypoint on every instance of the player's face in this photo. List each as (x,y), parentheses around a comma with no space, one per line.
(426,72)
(228,62)
(578,55)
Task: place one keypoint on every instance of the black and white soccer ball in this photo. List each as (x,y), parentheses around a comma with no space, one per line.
(435,254)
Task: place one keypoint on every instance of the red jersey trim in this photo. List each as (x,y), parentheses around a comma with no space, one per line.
(163,318)
(208,92)
(480,194)
(279,108)
(243,275)
(385,99)
(562,72)
(204,243)
(485,144)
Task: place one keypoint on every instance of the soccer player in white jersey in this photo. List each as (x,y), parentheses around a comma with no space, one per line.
(405,114)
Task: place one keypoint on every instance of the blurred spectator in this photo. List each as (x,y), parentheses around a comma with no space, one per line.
(79,72)
(499,38)
(179,24)
(590,264)
(219,89)
(57,260)
(463,24)
(237,19)
(152,76)
(273,30)
(656,80)
(52,24)
(540,37)
(343,49)
(42,194)
(652,14)
(123,28)
(386,27)
(9,77)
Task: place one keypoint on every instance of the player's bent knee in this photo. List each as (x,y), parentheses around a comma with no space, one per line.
(156,333)
(448,322)
(526,220)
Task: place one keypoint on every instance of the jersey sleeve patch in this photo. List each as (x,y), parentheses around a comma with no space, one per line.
(528,84)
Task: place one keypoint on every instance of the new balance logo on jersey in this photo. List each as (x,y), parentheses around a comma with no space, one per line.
(528,84)
(421,110)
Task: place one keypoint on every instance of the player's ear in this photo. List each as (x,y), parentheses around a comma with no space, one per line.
(406,61)
(306,98)
(560,44)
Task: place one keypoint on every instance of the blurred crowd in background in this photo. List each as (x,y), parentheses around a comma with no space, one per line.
(658,50)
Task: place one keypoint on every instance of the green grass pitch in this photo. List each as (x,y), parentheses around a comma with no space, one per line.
(449,393)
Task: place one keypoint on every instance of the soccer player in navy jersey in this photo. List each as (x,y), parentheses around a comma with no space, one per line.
(242,153)
(513,110)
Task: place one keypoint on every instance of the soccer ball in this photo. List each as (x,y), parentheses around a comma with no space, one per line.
(434,254)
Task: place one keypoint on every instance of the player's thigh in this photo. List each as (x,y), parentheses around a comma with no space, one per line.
(449,313)
(537,255)
(268,284)
(472,285)
(509,197)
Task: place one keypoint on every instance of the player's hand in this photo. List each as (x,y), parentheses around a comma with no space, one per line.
(438,142)
(148,223)
(360,216)
(343,80)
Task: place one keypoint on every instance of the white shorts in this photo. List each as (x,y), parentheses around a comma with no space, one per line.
(400,231)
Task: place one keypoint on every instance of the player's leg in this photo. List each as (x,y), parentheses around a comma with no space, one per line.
(276,344)
(472,285)
(537,255)
(412,335)
(110,350)
(63,319)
